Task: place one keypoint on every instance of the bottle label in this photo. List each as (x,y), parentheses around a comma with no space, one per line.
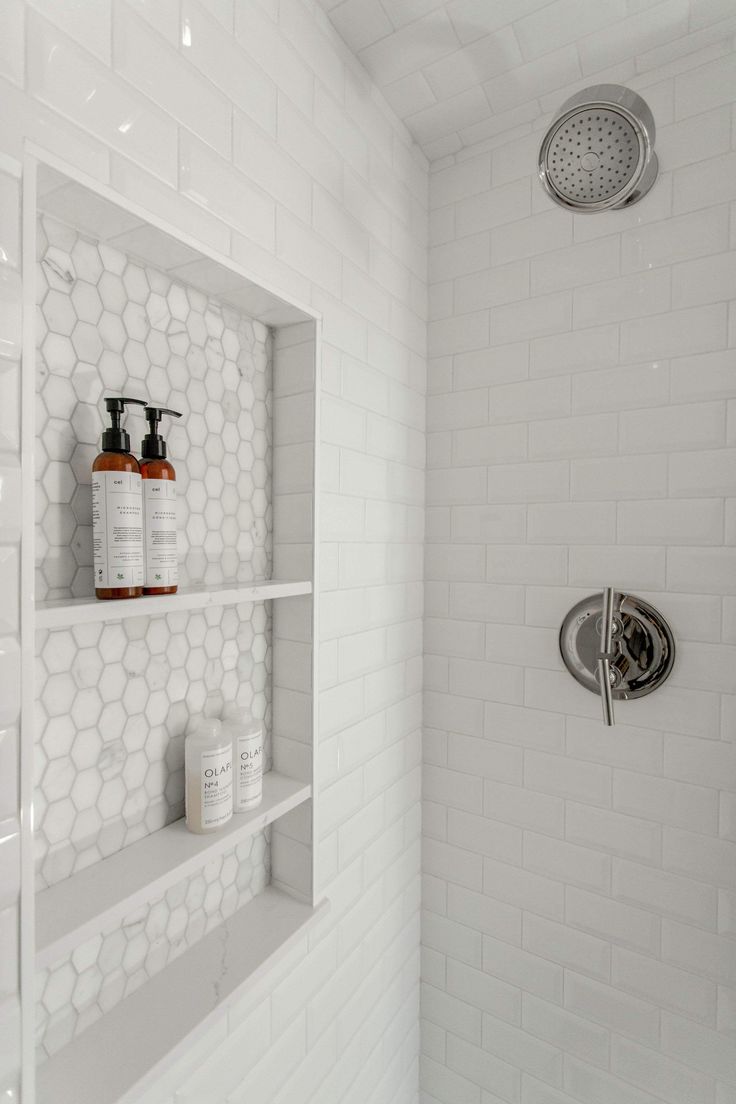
(216,773)
(159,521)
(249,770)
(117,530)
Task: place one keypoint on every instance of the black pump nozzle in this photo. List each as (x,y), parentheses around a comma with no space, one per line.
(115,439)
(153,446)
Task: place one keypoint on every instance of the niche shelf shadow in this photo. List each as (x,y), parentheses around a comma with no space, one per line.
(140,1035)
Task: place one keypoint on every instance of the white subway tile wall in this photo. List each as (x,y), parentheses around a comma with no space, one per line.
(250,125)
(578,896)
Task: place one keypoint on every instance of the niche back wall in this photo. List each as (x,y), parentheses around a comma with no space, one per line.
(580,911)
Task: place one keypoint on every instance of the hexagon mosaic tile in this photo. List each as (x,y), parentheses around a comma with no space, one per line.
(105,969)
(107,325)
(114,707)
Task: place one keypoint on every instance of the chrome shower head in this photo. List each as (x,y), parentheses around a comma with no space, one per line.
(599,152)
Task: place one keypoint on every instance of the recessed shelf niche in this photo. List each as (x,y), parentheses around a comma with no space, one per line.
(126,897)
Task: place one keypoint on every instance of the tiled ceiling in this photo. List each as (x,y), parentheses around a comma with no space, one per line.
(461,71)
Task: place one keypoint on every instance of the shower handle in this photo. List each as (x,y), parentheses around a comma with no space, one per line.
(606,655)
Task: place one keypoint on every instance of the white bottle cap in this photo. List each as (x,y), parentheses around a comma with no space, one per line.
(209,727)
(241,716)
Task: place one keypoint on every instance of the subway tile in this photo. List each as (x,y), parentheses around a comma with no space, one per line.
(705,87)
(502,208)
(704,280)
(594,1086)
(620,477)
(572,522)
(523,889)
(533,482)
(579,350)
(490,367)
(631,296)
(489,444)
(711,570)
(492,287)
(563,776)
(545,314)
(511,724)
(486,1071)
(573,1034)
(673,428)
(679,804)
(709,763)
(611,920)
(486,681)
(573,949)
(663,985)
(620,388)
(704,184)
(529,401)
(655,1073)
(214,184)
(514,805)
(675,239)
(450,1013)
(485,758)
(526,564)
(678,333)
(592,435)
(520,968)
(484,916)
(456,942)
(567,862)
(162,74)
(63,76)
(485,601)
(610,831)
(710,376)
(458,181)
(482,991)
(634,749)
(575,266)
(529,237)
(608,1006)
(698,856)
(699,1046)
(452,787)
(675,522)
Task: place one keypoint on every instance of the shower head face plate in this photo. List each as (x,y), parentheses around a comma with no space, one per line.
(593,155)
(598,153)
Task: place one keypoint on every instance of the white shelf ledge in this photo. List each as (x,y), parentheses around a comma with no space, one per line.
(77,611)
(113,1059)
(81,906)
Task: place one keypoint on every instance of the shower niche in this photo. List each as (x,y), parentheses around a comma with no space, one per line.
(144,933)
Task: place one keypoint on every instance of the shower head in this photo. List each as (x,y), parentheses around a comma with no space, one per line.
(598,153)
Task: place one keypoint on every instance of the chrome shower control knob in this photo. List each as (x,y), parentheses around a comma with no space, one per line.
(637,648)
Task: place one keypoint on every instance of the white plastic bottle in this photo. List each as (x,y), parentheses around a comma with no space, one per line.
(247,740)
(208,770)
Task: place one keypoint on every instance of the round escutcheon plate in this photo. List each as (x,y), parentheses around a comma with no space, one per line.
(642,643)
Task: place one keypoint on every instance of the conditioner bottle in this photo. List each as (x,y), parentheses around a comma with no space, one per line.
(247,740)
(117,532)
(159,508)
(208,769)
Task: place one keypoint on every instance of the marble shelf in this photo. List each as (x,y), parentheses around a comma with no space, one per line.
(71,911)
(116,1057)
(76,611)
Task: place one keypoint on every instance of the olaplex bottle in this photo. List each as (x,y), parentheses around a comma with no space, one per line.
(247,740)
(208,770)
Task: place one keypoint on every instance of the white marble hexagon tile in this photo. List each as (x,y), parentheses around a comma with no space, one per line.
(107,325)
(113,710)
(105,969)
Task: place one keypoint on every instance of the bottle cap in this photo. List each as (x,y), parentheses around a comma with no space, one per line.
(208,726)
(115,439)
(241,716)
(153,446)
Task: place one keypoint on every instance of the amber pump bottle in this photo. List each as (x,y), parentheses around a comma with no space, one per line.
(161,569)
(117,511)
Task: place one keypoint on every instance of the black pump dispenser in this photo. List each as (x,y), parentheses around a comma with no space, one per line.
(153,446)
(115,439)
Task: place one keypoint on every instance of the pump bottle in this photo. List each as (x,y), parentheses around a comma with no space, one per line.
(117,515)
(159,508)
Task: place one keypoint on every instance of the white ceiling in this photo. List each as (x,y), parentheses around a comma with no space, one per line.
(460,71)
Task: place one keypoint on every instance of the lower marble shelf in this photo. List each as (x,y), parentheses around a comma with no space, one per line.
(113,1060)
(72,910)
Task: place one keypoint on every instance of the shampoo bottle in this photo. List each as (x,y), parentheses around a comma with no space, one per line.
(117,516)
(159,508)
(208,769)
(247,740)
